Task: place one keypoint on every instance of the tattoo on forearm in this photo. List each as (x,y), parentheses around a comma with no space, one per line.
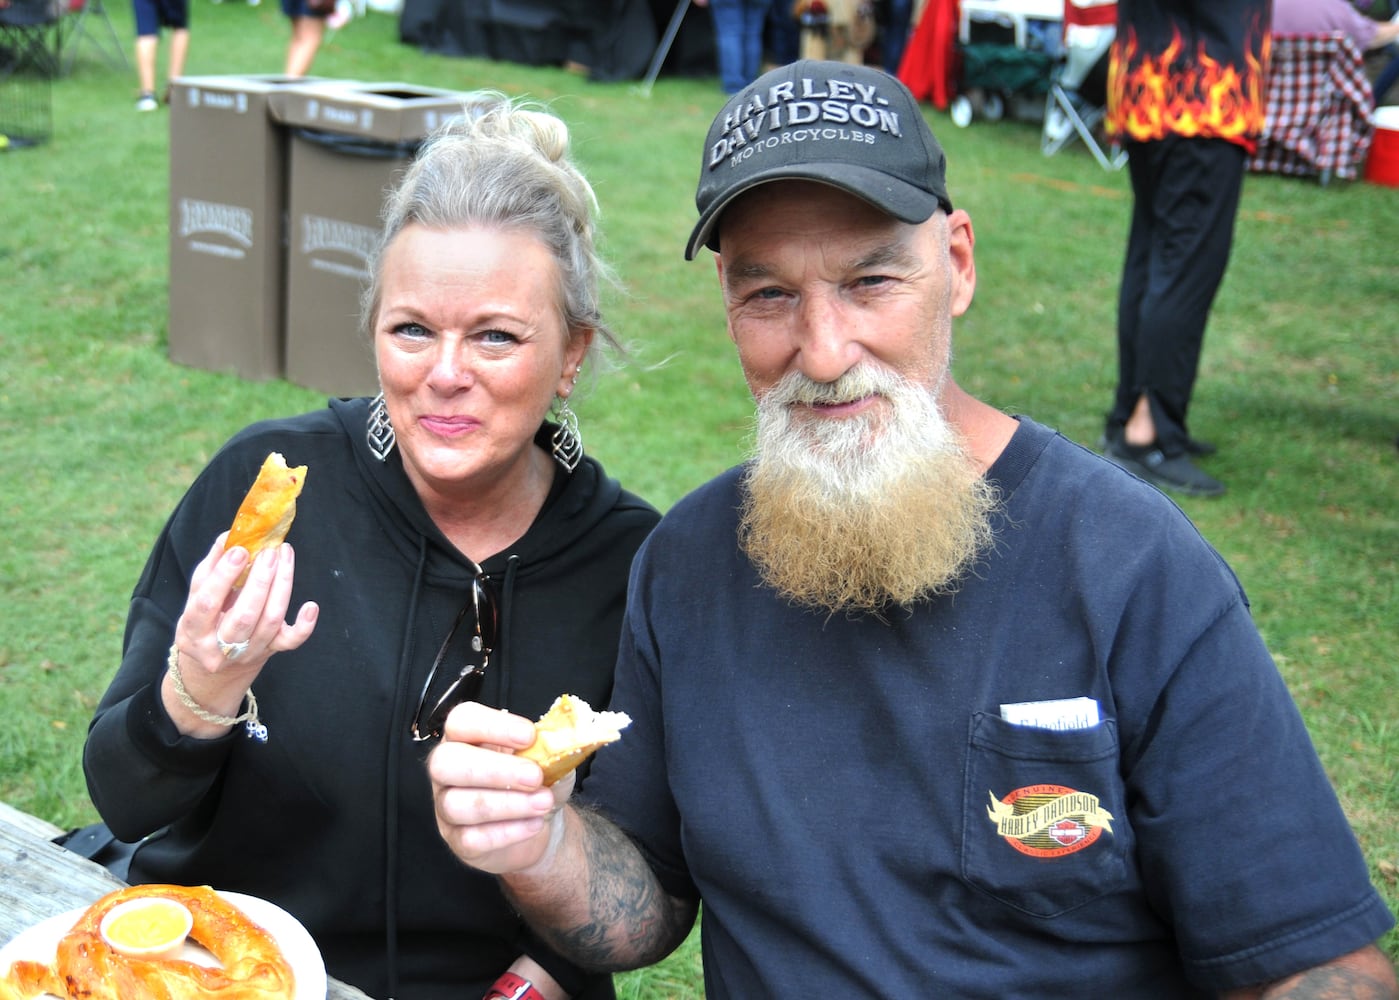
(633,921)
(1330,983)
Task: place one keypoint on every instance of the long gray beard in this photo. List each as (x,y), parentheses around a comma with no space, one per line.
(861,514)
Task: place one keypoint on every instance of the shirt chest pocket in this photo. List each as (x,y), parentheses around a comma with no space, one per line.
(1044,825)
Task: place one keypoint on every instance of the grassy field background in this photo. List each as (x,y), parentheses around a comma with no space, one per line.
(101,433)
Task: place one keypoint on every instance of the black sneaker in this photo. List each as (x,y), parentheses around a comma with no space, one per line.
(1175,475)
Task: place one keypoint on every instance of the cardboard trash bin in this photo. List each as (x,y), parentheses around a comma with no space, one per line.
(349,143)
(227,198)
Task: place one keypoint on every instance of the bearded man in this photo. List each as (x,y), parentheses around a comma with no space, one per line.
(927,701)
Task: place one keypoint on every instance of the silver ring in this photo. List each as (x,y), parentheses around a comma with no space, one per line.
(232,650)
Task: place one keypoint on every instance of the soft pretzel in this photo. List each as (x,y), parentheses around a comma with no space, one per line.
(87,968)
(266,513)
(569,733)
(26,980)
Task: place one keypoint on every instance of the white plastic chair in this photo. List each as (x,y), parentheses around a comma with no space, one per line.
(1089,29)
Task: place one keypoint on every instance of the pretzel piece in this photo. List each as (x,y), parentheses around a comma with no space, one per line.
(569,733)
(266,513)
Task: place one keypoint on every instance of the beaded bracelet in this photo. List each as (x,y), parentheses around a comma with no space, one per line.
(255,729)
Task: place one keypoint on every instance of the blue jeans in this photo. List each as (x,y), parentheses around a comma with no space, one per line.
(738,35)
(784,34)
(1389,74)
(896,34)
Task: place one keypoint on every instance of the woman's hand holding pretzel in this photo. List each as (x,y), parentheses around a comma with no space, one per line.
(226,634)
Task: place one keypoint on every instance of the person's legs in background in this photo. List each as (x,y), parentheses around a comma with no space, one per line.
(1141,169)
(784,35)
(147,43)
(728,42)
(896,34)
(1187,194)
(306,35)
(179,49)
(146,46)
(176,16)
(175,67)
(153,16)
(738,39)
(1195,205)
(755,14)
(1389,76)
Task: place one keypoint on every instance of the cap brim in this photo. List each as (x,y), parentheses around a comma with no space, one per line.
(904,202)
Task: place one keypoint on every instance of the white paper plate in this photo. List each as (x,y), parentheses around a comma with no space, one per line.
(40,942)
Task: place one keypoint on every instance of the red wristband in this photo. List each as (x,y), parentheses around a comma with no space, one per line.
(512,987)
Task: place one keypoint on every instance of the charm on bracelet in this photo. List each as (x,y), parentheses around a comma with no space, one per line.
(252,725)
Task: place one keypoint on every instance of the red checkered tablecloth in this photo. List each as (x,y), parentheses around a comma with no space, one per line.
(1319,117)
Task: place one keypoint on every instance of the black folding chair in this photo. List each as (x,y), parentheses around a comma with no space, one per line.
(1077,94)
(28,37)
(28,64)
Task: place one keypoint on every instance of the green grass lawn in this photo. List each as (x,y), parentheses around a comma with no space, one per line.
(1299,384)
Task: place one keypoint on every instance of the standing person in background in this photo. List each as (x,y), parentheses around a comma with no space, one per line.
(1308,17)
(738,37)
(1186,157)
(448,522)
(151,17)
(308,19)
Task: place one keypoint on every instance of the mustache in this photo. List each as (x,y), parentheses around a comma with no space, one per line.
(797,389)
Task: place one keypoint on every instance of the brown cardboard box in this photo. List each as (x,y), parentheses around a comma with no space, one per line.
(349,143)
(227,198)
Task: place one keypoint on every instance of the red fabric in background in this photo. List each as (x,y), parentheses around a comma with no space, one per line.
(1095,16)
(929,64)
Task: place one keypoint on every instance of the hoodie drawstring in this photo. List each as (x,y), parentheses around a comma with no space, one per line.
(394,752)
(507,587)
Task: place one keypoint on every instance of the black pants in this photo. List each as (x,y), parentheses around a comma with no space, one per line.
(1186,196)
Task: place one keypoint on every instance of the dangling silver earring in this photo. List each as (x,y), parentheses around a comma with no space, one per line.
(567,442)
(379,431)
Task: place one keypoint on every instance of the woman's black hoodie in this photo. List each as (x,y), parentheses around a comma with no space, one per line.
(332,818)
